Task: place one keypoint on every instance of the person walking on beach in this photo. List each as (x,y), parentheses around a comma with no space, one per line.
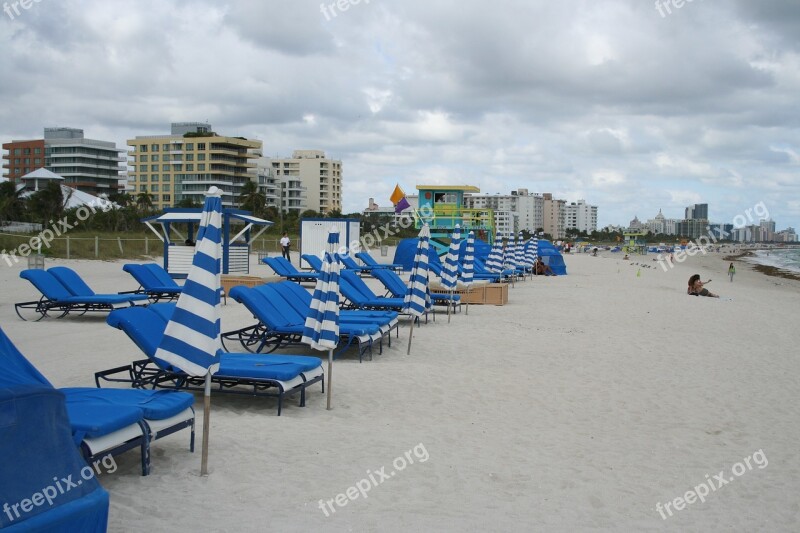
(285,246)
(731,271)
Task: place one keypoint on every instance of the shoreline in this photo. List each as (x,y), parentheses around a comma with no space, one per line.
(769,270)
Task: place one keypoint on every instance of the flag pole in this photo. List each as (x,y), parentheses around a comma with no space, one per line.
(206,423)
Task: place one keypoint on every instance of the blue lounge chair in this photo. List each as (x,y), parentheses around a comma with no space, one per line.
(107,421)
(280,325)
(350,264)
(156,282)
(153,281)
(397,288)
(368,260)
(285,269)
(357,294)
(302,302)
(246,374)
(64,292)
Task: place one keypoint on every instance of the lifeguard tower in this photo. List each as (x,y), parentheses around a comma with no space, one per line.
(634,243)
(442,208)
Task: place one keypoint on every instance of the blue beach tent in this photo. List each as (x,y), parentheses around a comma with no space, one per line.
(552,257)
(407,249)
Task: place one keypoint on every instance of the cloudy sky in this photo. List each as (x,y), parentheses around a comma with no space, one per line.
(627,105)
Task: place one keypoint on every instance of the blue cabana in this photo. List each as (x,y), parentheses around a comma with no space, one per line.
(407,249)
(178,252)
(552,257)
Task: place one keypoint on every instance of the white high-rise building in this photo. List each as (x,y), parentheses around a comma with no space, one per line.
(581,216)
(312,179)
(512,212)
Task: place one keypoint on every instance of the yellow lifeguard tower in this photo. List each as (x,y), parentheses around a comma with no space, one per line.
(634,243)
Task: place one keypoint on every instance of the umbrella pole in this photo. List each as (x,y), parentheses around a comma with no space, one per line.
(206,422)
(449,305)
(467,311)
(330,375)
(410,334)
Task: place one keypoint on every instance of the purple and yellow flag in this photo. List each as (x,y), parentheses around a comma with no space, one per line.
(398,198)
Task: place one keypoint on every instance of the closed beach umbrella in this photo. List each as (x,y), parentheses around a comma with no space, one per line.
(533,250)
(191,340)
(468,268)
(530,253)
(494,263)
(321,330)
(520,258)
(509,252)
(450,269)
(417,300)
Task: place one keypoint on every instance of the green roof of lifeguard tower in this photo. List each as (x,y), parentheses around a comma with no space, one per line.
(462,188)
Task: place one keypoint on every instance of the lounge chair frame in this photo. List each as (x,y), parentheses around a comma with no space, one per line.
(144,374)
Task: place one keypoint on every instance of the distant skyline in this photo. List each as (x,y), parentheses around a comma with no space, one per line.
(630,107)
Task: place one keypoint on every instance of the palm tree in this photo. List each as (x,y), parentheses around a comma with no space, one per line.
(144,201)
(12,206)
(252,199)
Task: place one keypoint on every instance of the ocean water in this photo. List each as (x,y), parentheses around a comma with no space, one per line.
(785,258)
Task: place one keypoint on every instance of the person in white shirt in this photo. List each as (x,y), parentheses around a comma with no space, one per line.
(285,246)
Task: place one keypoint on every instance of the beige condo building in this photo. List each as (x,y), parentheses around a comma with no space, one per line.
(184,164)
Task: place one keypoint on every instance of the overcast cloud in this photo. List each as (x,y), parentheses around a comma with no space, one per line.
(608,101)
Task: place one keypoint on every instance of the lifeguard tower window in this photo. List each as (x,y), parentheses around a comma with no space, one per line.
(445,198)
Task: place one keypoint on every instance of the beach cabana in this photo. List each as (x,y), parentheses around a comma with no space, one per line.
(179,247)
(552,257)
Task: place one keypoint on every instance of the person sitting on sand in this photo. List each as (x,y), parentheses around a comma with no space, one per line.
(696,287)
(541,268)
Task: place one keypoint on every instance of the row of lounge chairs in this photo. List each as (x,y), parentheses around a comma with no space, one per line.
(63,291)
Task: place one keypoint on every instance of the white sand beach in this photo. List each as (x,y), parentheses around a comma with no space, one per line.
(580,405)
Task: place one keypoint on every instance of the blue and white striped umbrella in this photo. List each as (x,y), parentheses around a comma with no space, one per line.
(450,270)
(520,259)
(468,268)
(191,339)
(321,330)
(533,250)
(510,252)
(530,253)
(494,263)
(417,300)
